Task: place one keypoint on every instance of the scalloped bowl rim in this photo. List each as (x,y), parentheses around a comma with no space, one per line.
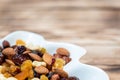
(74,68)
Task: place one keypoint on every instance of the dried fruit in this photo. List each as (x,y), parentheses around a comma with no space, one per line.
(41,70)
(21,49)
(43,77)
(63,51)
(47,58)
(59,63)
(19,58)
(20,42)
(26,65)
(22,75)
(14,70)
(5,44)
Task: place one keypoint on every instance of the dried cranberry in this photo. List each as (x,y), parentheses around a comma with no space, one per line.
(19,58)
(2,58)
(37,52)
(73,78)
(21,49)
(53,61)
(5,44)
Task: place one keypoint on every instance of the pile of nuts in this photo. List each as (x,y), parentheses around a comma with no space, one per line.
(18,62)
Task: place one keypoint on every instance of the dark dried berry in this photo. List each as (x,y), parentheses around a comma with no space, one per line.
(49,75)
(19,58)
(37,52)
(73,78)
(21,49)
(2,58)
(36,74)
(53,61)
(5,44)
(63,79)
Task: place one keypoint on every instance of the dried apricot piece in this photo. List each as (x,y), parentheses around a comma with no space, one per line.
(43,77)
(22,75)
(26,65)
(20,42)
(59,63)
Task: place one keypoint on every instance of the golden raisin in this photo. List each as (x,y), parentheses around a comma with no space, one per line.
(20,42)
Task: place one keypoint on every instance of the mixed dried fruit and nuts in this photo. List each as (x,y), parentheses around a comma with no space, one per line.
(22,62)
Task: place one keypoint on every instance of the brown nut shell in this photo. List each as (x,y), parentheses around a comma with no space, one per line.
(35,56)
(41,70)
(63,51)
(47,58)
(8,51)
(61,72)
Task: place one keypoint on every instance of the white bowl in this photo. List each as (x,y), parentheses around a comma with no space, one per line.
(74,68)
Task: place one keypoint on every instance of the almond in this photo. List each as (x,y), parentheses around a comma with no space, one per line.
(35,56)
(8,51)
(41,70)
(63,51)
(26,52)
(61,72)
(9,62)
(47,58)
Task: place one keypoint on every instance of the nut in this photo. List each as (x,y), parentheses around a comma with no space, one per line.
(26,52)
(41,70)
(61,72)
(35,56)
(47,58)
(63,51)
(8,51)
(55,77)
(38,63)
(9,62)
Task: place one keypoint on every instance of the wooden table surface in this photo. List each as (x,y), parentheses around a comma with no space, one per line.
(92,24)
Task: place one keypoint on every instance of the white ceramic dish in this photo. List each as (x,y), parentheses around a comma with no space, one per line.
(74,68)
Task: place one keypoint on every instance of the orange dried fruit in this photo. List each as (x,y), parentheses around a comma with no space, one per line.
(26,65)
(43,77)
(20,42)
(59,63)
(22,75)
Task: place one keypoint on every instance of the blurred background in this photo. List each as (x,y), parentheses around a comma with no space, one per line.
(92,24)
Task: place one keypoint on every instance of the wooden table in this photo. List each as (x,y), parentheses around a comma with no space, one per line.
(92,24)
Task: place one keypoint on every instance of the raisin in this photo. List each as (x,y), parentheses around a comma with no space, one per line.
(21,49)
(49,75)
(36,74)
(5,44)
(63,79)
(2,58)
(19,58)
(73,78)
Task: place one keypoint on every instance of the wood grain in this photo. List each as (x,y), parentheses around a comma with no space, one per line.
(92,24)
